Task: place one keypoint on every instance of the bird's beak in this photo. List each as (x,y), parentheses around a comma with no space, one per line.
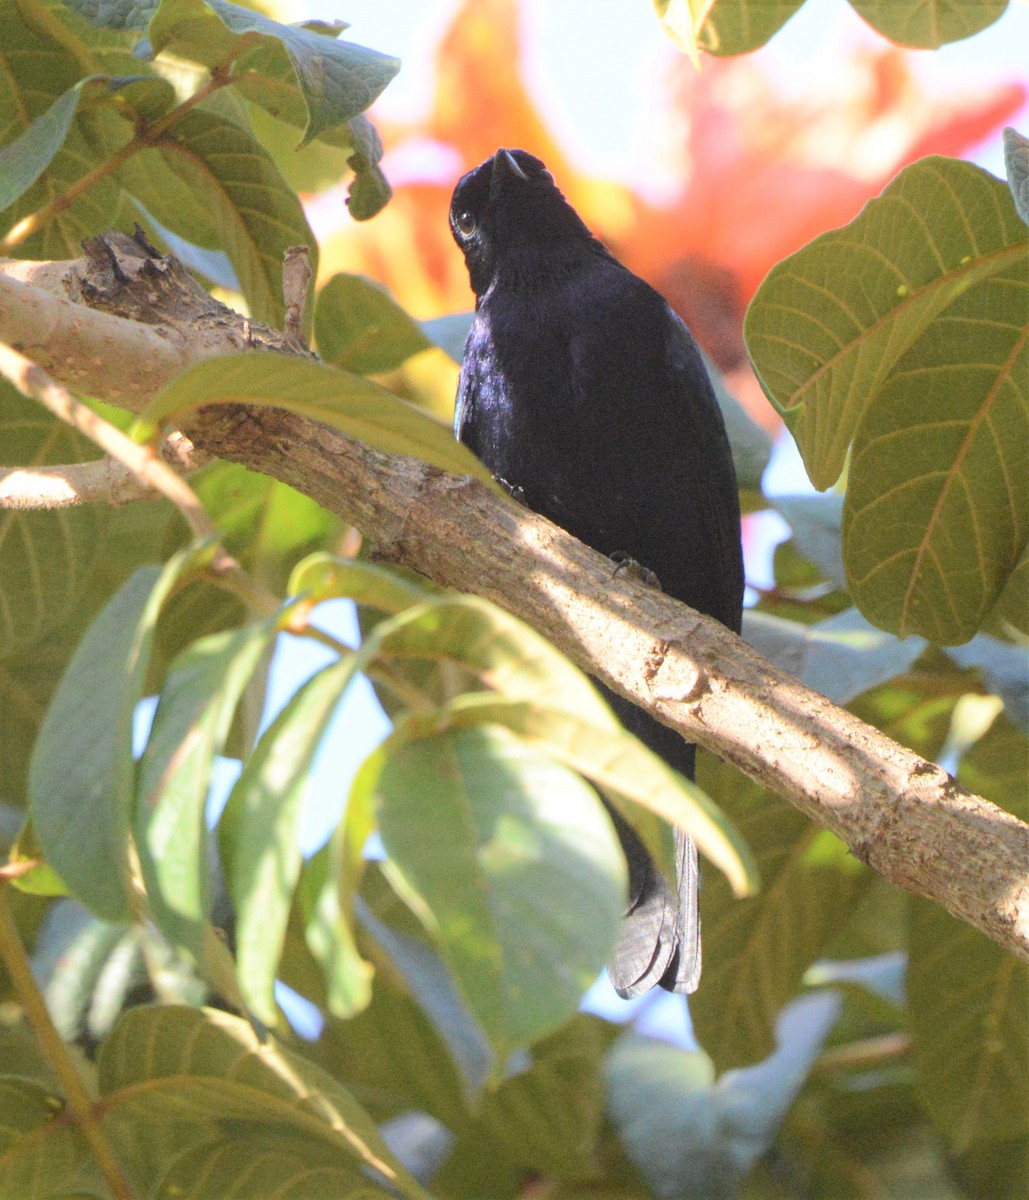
(505,167)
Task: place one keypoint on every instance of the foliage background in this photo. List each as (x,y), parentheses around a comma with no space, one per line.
(855,1042)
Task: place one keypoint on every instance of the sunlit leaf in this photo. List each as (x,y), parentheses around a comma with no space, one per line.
(336,79)
(192,722)
(174,1064)
(259,832)
(928,24)
(82,777)
(360,327)
(850,336)
(350,403)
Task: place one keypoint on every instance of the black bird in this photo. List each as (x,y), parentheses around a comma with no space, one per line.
(586,396)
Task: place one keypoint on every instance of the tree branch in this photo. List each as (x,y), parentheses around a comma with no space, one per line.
(902,815)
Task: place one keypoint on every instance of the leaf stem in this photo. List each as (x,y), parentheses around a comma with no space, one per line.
(16,963)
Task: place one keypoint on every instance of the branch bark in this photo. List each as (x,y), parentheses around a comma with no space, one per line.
(902,815)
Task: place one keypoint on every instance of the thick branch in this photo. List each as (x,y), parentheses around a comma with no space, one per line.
(904,816)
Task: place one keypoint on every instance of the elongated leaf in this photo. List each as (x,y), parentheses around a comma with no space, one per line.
(36,71)
(354,405)
(929,24)
(192,722)
(324,577)
(81,778)
(757,950)
(197,1065)
(259,832)
(336,79)
(328,933)
(28,156)
(525,904)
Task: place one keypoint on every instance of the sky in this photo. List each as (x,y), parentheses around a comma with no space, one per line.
(592,64)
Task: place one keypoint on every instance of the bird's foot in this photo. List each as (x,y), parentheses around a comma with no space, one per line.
(514,490)
(625,564)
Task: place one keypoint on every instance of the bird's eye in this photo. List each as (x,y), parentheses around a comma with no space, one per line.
(465,224)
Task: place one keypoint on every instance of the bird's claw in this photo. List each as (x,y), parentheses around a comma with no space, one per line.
(627,565)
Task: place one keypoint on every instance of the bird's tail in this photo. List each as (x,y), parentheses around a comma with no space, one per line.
(659,943)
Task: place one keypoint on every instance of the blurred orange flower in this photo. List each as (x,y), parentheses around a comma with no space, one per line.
(757,173)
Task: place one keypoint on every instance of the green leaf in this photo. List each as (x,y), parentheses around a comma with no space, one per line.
(1016,159)
(37,69)
(328,932)
(173,1064)
(251,1167)
(82,777)
(255,216)
(46,558)
(737,26)
(325,577)
(25,1106)
(336,79)
(969,1014)
(757,950)
(354,405)
(830,323)
(928,24)
(360,327)
(848,334)
(525,904)
(936,518)
(544,1119)
(190,727)
(691,1135)
(259,832)
(442,1060)
(554,707)
(28,156)
(25,159)
(841,657)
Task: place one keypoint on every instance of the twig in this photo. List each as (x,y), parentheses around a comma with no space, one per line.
(104,480)
(296,278)
(148,470)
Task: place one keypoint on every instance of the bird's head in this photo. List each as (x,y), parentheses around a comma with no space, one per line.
(506,212)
